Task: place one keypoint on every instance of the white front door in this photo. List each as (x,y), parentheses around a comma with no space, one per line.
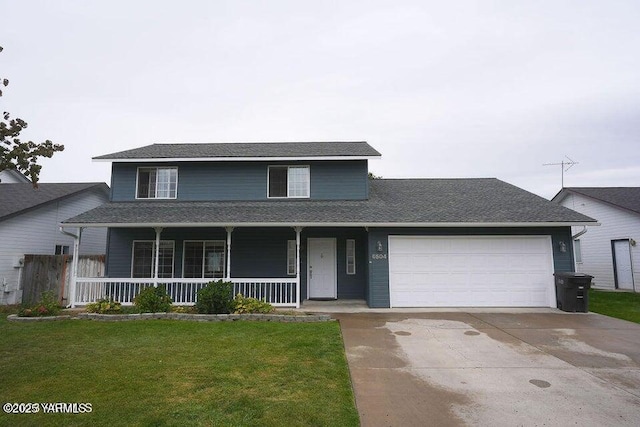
(322,268)
(622,259)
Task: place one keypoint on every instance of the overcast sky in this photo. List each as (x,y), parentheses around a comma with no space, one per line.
(440,88)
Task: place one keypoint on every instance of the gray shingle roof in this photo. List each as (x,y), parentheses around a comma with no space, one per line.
(18,198)
(624,197)
(244,149)
(420,201)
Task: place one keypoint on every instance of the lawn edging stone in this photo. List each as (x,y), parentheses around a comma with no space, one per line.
(180,316)
(16,318)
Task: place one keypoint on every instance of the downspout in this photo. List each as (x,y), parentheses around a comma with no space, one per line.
(74,264)
(584,230)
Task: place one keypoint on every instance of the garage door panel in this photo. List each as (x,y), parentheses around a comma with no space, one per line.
(470,271)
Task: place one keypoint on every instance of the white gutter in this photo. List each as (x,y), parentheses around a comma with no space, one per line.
(233,159)
(332,224)
(584,230)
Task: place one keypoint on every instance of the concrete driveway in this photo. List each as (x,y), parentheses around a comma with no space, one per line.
(493,368)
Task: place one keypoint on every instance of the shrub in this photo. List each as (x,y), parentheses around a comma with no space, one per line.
(215,298)
(104,306)
(48,306)
(153,300)
(244,305)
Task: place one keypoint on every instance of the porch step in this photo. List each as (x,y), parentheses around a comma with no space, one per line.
(333,306)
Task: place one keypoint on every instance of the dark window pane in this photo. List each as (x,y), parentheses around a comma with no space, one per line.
(278,182)
(192,259)
(144,181)
(142,259)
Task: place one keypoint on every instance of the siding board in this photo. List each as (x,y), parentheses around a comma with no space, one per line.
(207,181)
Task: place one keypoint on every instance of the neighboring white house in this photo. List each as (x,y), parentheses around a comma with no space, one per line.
(30,220)
(608,252)
(9,176)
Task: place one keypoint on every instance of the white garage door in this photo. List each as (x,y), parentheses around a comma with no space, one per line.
(471,271)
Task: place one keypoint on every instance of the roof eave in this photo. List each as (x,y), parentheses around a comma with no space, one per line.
(334,224)
(231,159)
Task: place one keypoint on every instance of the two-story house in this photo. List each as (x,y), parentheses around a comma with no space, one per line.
(288,222)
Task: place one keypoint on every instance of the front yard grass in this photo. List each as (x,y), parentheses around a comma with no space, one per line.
(164,372)
(622,305)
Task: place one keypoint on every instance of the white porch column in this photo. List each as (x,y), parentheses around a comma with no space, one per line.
(298,231)
(157,256)
(74,268)
(229,231)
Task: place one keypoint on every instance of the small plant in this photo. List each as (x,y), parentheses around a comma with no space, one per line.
(104,306)
(48,306)
(244,305)
(182,309)
(215,298)
(153,300)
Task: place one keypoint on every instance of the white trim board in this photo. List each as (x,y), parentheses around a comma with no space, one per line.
(329,224)
(233,159)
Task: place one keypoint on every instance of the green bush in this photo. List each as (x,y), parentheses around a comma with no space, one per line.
(244,305)
(104,306)
(153,300)
(48,306)
(215,298)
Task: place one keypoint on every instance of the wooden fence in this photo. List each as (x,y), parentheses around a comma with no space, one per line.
(42,273)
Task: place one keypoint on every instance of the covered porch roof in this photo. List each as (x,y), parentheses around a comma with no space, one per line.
(486,202)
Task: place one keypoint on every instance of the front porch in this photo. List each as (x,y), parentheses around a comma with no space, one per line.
(280,265)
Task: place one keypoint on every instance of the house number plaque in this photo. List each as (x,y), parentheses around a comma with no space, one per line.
(379,256)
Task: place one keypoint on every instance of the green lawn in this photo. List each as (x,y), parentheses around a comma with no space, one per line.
(162,372)
(622,305)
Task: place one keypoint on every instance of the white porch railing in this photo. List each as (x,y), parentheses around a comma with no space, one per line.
(277,292)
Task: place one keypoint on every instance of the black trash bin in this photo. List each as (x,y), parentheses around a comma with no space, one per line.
(572,291)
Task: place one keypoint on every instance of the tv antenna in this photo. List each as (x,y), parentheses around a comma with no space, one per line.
(566,165)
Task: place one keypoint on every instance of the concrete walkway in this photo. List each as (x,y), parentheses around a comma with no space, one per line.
(493,367)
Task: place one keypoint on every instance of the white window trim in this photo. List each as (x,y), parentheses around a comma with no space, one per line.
(156,192)
(153,258)
(347,257)
(308,167)
(224,245)
(575,252)
(295,261)
(62,246)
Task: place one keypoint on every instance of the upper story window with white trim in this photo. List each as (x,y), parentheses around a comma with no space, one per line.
(288,182)
(157,183)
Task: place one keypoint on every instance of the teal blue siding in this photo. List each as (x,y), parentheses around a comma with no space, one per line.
(378,286)
(260,252)
(205,181)
(350,286)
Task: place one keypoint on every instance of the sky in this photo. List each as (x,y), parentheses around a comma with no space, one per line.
(443,89)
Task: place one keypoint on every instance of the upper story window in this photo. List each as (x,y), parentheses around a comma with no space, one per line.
(157,183)
(288,182)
